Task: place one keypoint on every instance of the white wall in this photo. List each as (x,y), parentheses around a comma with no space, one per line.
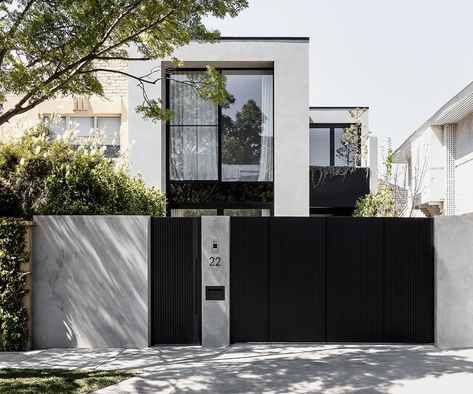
(464,166)
(291,112)
(338,115)
(427,162)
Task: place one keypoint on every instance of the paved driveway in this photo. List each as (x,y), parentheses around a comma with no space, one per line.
(270,368)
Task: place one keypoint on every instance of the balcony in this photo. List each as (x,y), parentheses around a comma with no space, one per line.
(338,187)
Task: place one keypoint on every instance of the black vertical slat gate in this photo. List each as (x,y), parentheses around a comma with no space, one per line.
(355,279)
(296,279)
(175,281)
(249,277)
(332,279)
(409,256)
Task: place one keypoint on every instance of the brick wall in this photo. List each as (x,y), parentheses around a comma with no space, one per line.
(113,84)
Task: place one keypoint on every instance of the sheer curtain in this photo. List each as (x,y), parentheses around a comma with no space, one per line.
(266,155)
(194,130)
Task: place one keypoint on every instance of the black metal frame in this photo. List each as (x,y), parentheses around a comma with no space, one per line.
(219,206)
(332,127)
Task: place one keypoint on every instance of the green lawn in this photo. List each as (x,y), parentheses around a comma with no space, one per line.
(26,381)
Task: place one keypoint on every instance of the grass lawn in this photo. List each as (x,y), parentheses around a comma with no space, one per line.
(28,381)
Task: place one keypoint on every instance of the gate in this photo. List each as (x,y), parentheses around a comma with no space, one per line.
(332,279)
(176,281)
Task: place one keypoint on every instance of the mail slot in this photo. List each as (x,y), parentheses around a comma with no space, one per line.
(215,293)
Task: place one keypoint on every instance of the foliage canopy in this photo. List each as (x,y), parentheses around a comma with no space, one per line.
(56,47)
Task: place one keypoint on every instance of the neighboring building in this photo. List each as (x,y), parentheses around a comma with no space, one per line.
(439,160)
(109,114)
(253,155)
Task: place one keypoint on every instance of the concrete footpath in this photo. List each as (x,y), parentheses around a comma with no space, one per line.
(274,368)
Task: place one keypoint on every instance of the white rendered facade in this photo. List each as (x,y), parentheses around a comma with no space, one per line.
(289,58)
(439,159)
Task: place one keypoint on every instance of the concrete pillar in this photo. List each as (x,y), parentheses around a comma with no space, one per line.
(215,281)
(454,278)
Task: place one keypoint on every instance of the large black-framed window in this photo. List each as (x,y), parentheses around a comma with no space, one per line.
(326,147)
(221,157)
(232,142)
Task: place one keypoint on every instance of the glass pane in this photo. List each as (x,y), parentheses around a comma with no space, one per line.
(83,125)
(112,151)
(247,212)
(194,153)
(58,127)
(186,104)
(111,128)
(344,152)
(247,127)
(184,213)
(319,147)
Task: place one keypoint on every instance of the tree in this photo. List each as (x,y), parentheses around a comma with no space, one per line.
(353,145)
(382,203)
(56,47)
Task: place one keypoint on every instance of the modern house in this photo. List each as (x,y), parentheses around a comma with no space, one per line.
(265,152)
(439,160)
(253,155)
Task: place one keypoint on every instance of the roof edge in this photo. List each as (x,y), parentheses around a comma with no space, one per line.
(455,100)
(260,38)
(322,107)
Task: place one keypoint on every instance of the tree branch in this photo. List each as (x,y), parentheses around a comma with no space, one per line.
(128,59)
(14,28)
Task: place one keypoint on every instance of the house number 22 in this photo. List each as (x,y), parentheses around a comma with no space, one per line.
(214,261)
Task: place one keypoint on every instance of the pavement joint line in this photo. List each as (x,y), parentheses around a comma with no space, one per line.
(112,357)
(25,357)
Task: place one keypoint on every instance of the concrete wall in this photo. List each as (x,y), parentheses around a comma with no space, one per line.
(290,60)
(454,281)
(216,313)
(90,281)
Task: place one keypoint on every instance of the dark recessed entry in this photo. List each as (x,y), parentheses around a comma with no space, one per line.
(215,293)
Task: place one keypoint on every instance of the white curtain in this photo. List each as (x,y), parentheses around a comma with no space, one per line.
(266,155)
(193,130)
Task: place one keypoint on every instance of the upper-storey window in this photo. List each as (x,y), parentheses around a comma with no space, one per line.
(108,126)
(329,147)
(231,143)
(193,131)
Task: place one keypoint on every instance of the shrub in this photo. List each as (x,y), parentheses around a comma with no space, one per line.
(9,202)
(49,176)
(13,315)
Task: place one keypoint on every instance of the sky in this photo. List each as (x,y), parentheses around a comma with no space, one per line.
(404,59)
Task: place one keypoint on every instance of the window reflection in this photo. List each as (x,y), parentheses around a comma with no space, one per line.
(247,127)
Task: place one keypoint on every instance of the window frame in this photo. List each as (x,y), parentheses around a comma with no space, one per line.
(168,77)
(67,118)
(332,127)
